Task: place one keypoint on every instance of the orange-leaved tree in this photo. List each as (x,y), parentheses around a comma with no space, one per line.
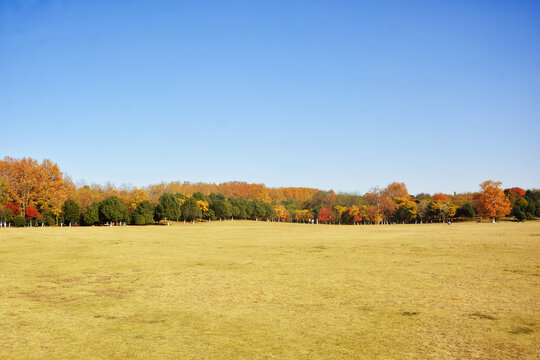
(32,183)
(396,190)
(440,197)
(491,201)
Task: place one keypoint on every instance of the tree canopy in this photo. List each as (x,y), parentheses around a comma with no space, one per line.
(191,209)
(170,207)
(491,201)
(41,193)
(143,214)
(71,212)
(112,209)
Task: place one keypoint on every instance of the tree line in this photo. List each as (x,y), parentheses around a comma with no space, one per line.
(33,192)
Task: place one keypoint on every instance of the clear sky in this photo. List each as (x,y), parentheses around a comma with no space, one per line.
(341,95)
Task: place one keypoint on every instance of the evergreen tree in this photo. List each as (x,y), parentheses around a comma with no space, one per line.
(191,210)
(143,214)
(171,207)
(238,208)
(221,207)
(113,209)
(71,212)
(518,213)
(466,211)
(91,215)
(159,213)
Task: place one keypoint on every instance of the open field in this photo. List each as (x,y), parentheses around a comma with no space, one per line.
(258,290)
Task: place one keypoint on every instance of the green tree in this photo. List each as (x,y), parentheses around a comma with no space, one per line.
(533,204)
(170,207)
(518,212)
(71,212)
(199,196)
(258,210)
(48,218)
(466,211)
(143,214)
(291,206)
(6,215)
(220,206)
(19,221)
(191,210)
(268,211)
(238,208)
(158,213)
(91,215)
(113,209)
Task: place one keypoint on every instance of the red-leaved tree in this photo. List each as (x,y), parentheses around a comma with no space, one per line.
(14,208)
(515,191)
(440,197)
(323,214)
(31,212)
(326,214)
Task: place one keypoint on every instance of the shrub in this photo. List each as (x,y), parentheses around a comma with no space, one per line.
(19,221)
(48,219)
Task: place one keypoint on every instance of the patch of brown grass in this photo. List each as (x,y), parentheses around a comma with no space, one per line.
(247,290)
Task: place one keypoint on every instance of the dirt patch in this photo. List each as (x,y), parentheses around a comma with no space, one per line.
(116,293)
(107,317)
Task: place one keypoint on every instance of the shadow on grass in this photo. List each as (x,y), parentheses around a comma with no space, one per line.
(521,330)
(478,315)
(409,313)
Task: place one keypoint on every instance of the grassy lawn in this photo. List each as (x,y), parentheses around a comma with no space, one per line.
(257,290)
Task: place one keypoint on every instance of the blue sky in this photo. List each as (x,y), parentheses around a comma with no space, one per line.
(340,95)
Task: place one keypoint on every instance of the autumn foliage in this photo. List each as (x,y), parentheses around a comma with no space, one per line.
(13,208)
(39,190)
(491,202)
(440,197)
(515,192)
(326,214)
(31,212)
(41,185)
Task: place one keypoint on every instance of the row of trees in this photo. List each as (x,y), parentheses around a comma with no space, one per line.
(170,207)
(525,204)
(393,204)
(232,189)
(33,192)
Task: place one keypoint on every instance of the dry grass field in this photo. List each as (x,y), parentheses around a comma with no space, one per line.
(257,290)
